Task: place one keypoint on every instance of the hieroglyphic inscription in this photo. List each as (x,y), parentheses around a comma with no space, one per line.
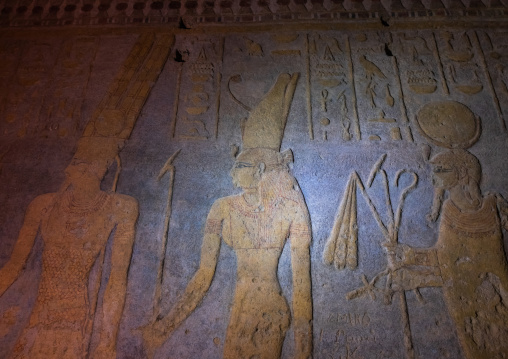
(378,86)
(460,62)
(421,76)
(197,101)
(495,54)
(334,112)
(254,55)
(465,67)
(417,53)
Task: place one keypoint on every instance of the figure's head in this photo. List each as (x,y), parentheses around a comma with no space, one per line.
(251,164)
(92,159)
(455,168)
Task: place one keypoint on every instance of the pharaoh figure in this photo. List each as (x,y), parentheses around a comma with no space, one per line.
(256,224)
(75,224)
(469,257)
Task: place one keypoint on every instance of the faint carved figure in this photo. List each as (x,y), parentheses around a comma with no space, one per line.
(468,260)
(468,257)
(256,224)
(75,224)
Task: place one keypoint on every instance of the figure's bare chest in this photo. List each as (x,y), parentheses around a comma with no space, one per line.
(246,228)
(77,228)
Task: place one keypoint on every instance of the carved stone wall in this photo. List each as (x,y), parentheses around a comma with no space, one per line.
(253,179)
(190,12)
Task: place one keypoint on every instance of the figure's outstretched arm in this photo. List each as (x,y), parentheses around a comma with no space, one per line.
(114,295)
(413,268)
(11,270)
(300,237)
(155,335)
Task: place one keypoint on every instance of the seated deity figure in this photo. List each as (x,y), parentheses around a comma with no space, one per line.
(256,224)
(469,256)
(75,224)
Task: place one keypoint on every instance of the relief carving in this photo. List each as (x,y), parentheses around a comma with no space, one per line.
(330,75)
(470,242)
(494,49)
(341,246)
(75,224)
(197,102)
(379,86)
(468,261)
(420,77)
(370,82)
(461,63)
(257,54)
(255,224)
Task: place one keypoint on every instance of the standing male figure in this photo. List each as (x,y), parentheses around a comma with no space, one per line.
(256,224)
(75,224)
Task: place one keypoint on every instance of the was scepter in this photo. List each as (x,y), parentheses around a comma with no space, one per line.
(167,168)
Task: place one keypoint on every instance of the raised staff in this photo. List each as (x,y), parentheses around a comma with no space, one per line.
(167,168)
(256,224)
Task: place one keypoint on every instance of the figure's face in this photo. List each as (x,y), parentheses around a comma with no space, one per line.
(79,170)
(246,173)
(444,176)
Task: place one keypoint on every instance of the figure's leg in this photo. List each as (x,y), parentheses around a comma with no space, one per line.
(258,335)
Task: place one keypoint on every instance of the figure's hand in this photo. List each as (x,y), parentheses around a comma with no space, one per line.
(303,339)
(398,254)
(432,217)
